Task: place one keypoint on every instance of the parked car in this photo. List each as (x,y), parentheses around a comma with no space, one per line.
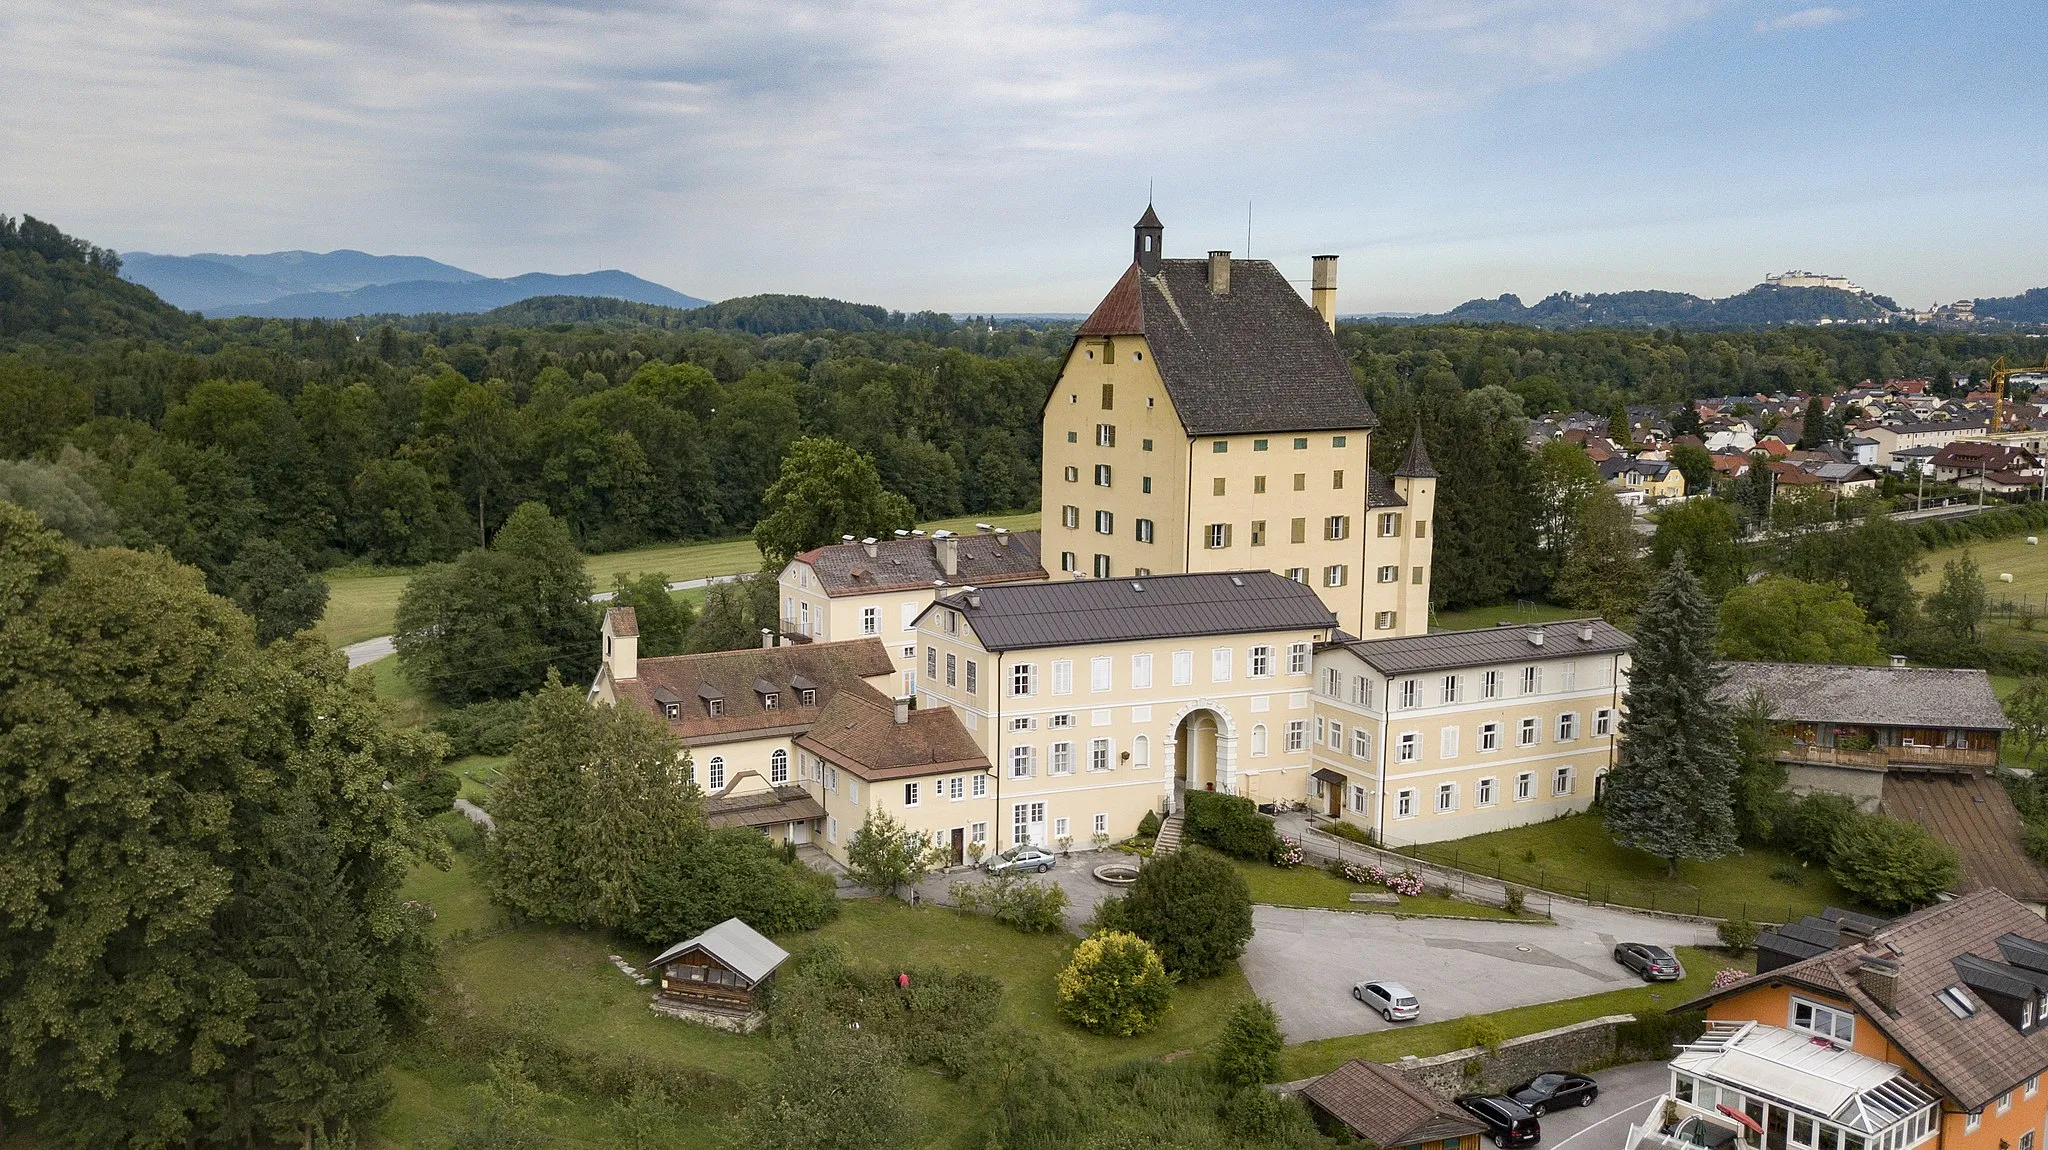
(1022,858)
(1395,1003)
(1554,1090)
(1653,962)
(1508,1121)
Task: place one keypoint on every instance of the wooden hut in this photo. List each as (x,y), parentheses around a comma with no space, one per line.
(724,969)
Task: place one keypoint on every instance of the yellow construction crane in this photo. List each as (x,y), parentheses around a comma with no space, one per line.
(1999,371)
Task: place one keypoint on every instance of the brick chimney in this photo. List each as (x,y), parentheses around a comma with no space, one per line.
(1219,272)
(1879,978)
(1323,289)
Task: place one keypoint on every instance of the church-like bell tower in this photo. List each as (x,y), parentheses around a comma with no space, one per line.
(1145,244)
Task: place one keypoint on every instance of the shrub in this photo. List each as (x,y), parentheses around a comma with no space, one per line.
(1232,825)
(1112,913)
(561,1067)
(1351,831)
(1814,823)
(938,1020)
(1115,984)
(432,792)
(1247,1053)
(1516,899)
(1652,1034)
(1148,827)
(831,1088)
(1027,904)
(1485,1032)
(486,728)
(1893,865)
(1737,934)
(728,873)
(1790,876)
(1194,908)
(1289,854)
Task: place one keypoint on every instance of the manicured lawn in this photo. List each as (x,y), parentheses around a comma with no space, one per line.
(362,603)
(459,903)
(1311,886)
(1574,855)
(1311,1058)
(1525,612)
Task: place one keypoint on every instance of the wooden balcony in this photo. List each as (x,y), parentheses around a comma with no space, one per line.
(1885,758)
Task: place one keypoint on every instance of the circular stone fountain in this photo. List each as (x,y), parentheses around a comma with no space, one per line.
(1117,873)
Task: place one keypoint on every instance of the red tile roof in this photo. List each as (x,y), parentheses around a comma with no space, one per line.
(736,677)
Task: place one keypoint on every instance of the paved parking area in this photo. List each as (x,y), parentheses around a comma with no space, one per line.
(1305,961)
(1626,1093)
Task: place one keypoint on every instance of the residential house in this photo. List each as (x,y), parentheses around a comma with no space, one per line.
(1381,1106)
(1969,459)
(1846,478)
(725,970)
(1646,480)
(1206,420)
(1893,437)
(876,588)
(1441,736)
(1924,1031)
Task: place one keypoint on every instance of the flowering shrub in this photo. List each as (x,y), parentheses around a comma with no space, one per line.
(1372,874)
(1290,852)
(1406,883)
(1727,977)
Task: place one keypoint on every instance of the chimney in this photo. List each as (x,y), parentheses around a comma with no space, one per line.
(1219,273)
(973,597)
(1536,636)
(868,545)
(1002,536)
(1898,660)
(1586,633)
(947,545)
(1323,289)
(902,711)
(622,643)
(767,639)
(1879,978)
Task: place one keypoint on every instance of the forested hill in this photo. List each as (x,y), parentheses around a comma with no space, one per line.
(1762,306)
(2029,307)
(753,314)
(61,291)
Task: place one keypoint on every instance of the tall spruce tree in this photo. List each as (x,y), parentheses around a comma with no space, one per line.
(1672,789)
(637,808)
(535,864)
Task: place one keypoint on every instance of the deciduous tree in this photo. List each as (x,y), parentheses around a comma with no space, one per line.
(1785,620)
(1195,910)
(1957,607)
(826,490)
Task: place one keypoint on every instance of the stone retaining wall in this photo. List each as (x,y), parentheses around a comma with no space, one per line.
(1588,1043)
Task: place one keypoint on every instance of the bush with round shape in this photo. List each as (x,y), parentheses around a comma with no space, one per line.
(1247,1053)
(1893,865)
(1194,908)
(1115,984)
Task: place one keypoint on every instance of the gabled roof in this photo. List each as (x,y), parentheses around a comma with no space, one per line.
(1446,650)
(1871,696)
(737,676)
(761,808)
(1256,359)
(1021,616)
(1972,1059)
(739,946)
(860,733)
(912,563)
(1383,1105)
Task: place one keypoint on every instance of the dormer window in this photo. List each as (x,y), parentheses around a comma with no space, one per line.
(672,710)
(770,700)
(807,697)
(715,708)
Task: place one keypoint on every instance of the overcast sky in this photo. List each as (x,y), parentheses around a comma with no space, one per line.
(993,154)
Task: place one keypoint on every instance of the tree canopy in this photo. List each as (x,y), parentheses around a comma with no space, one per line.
(1780,619)
(827,490)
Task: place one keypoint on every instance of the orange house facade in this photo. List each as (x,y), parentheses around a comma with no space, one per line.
(1927,1031)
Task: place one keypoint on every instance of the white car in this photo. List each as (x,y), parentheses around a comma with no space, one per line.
(1394,1002)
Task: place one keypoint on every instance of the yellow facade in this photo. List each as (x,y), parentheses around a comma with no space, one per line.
(1448,753)
(1126,491)
(954,809)
(890,616)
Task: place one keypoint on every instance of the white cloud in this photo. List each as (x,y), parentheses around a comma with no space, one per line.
(1816,17)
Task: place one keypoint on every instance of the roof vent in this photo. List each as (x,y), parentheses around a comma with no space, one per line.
(1898,660)
(1003,536)
(846,538)
(901,533)
(1536,636)
(1237,580)
(1137,586)
(982,527)
(1958,1001)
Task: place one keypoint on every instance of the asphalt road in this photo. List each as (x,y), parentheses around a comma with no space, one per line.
(1626,1095)
(1305,961)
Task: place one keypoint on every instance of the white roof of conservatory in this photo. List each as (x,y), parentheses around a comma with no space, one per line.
(1849,1089)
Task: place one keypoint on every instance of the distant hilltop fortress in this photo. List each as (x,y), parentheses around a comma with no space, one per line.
(1811,280)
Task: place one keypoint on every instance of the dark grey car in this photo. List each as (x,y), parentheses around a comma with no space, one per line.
(1653,962)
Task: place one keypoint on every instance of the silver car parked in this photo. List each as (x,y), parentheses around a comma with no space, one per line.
(1022,858)
(1394,1002)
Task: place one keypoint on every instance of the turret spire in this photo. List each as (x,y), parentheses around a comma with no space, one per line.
(1417,465)
(1145,244)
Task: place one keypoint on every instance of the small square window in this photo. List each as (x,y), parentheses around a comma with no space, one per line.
(1220,446)
(1301,444)
(1258,445)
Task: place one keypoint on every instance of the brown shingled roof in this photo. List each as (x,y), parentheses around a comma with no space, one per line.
(1973,814)
(624,620)
(911,562)
(1383,1105)
(859,732)
(691,680)
(762,808)
(1973,1060)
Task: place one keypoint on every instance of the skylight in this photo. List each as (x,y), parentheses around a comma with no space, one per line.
(1958,1001)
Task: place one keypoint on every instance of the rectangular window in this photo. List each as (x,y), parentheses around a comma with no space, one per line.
(1144,530)
(1219,447)
(1561,781)
(1216,536)
(1567,727)
(1108,389)
(931,663)
(1258,445)
(972,685)
(1183,668)
(1361,744)
(1216,486)
(1023,762)
(1068,561)
(1297,734)
(1261,662)
(1101,824)
(1098,673)
(1489,685)
(1337,527)
(1145,482)
(1417,578)
(1336,736)
(1298,574)
(1297,531)
(1333,682)
(1532,680)
(956,788)
(977,832)
(1390,524)
(870,620)
(952,670)
(1452,690)
(1603,723)
(1383,621)
(1258,485)
(1525,786)
(1102,475)
(1336,481)
(910,613)
(1321,729)
(1335,575)
(1219,664)
(1023,679)
(1297,658)
(1411,693)
(1446,798)
(1404,804)
(1485,792)
(910,794)
(1102,566)
(1449,740)
(1390,574)
(1062,676)
(1098,754)
(1972,1120)
(1361,690)
(1141,672)
(1105,523)
(1825,1021)
(1060,760)
(1258,533)
(1357,797)
(980,786)
(1070,516)
(1409,748)
(1489,737)
(1527,733)
(1105,435)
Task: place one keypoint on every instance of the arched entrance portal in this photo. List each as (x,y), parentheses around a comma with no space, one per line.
(1202,754)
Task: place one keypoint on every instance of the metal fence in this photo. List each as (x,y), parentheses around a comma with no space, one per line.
(1539,876)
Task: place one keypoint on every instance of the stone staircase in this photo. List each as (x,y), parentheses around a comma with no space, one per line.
(1169,835)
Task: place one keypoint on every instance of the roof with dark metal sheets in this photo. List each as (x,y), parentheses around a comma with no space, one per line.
(1019,616)
(1476,648)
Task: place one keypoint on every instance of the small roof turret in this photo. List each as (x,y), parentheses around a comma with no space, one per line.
(1417,465)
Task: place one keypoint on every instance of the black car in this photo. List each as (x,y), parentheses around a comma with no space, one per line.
(1510,1122)
(1653,962)
(1555,1090)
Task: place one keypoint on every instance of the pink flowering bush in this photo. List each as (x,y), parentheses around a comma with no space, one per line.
(1290,852)
(1372,874)
(1728,976)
